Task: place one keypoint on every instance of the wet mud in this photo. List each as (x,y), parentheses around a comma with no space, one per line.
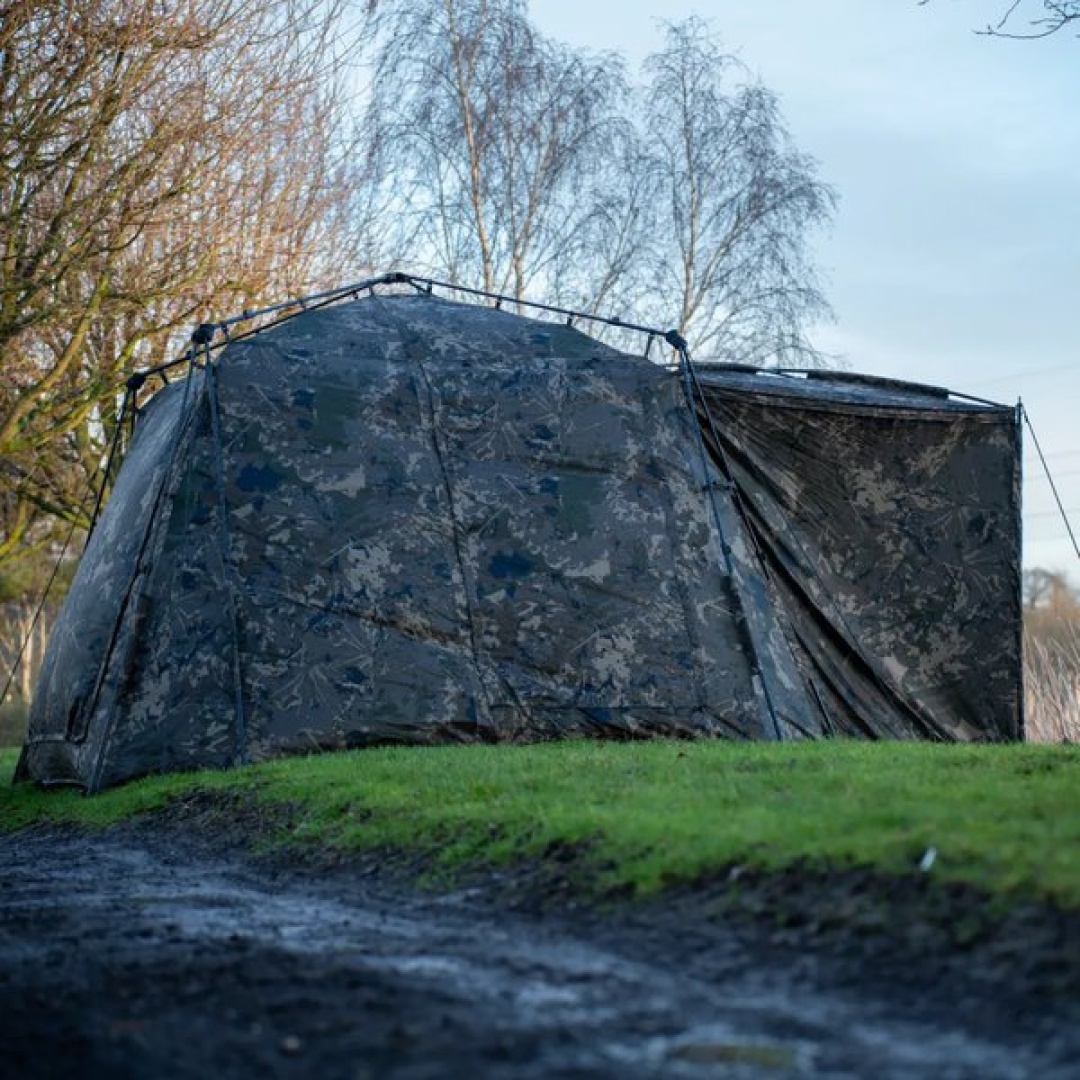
(161,951)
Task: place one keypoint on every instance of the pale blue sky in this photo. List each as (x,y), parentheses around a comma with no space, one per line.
(954,256)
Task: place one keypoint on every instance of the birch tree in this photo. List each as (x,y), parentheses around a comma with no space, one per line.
(530,169)
(732,207)
(489,134)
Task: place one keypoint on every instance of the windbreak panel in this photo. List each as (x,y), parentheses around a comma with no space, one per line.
(889,530)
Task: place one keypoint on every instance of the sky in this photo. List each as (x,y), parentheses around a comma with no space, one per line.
(954,256)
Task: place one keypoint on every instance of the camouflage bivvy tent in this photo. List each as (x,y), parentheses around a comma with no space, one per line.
(401,519)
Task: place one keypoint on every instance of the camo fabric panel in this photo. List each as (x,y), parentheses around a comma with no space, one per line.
(415,521)
(90,620)
(169,700)
(452,523)
(887,521)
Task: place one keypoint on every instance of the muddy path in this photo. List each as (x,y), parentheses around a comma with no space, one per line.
(153,953)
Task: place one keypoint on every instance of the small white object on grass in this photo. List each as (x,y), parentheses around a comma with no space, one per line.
(929,855)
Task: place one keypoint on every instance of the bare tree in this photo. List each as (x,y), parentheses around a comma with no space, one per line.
(527,168)
(24,624)
(1051,656)
(159,165)
(489,134)
(732,206)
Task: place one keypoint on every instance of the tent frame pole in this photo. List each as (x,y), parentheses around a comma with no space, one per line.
(692,390)
(224,554)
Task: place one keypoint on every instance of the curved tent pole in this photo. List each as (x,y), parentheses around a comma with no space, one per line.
(204,334)
(130,388)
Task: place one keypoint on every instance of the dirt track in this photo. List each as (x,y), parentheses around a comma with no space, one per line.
(157,952)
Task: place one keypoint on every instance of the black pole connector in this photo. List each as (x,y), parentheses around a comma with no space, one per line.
(676,340)
(204,333)
(135,382)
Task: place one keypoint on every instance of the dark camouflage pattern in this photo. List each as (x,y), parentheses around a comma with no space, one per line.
(886,524)
(404,520)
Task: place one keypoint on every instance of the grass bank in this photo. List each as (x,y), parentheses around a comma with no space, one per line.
(1003,818)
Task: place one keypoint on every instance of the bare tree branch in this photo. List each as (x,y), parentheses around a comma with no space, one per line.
(158,166)
(1048,18)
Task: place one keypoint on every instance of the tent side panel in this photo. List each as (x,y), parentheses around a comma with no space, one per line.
(170,701)
(450,523)
(598,595)
(350,598)
(65,732)
(890,535)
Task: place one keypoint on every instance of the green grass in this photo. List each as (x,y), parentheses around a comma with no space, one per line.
(1004,818)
